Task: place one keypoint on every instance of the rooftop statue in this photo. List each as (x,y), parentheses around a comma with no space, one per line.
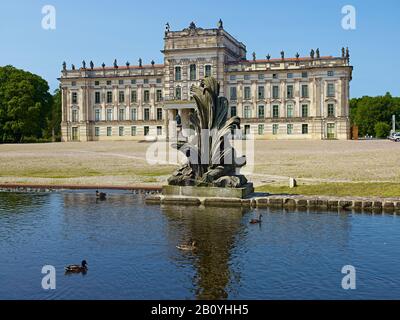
(211,159)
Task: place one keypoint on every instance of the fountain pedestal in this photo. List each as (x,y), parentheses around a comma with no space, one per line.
(208,192)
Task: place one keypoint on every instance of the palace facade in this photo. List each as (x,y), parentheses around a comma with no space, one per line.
(281,98)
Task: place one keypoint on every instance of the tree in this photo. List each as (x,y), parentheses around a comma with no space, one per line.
(25,105)
(366,112)
(382,129)
(53,128)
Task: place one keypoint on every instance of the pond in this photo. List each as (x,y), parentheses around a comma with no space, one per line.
(131,250)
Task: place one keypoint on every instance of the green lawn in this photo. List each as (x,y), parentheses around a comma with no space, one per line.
(379,189)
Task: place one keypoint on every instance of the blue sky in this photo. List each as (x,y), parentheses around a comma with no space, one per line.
(126,30)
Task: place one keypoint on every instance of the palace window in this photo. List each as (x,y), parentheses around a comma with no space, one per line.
(232,77)
(274,76)
(261,113)
(233,111)
(146,114)
(247,112)
(178,93)
(97,97)
(260,129)
(159,130)
(159,114)
(109,131)
(96,83)
(207,70)
(133,131)
(289,110)
(289,91)
(304,128)
(158,80)
(97,115)
(331,110)
(121,131)
(233,93)
(134,114)
(275,92)
(109,82)
(133,81)
(192,71)
(290,75)
(330,73)
(146,81)
(134,96)
(74,97)
(121,115)
(246,77)
(304,91)
(146,130)
(304,74)
(121,97)
(275,111)
(304,111)
(73,83)
(275,128)
(109,114)
(290,128)
(247,93)
(261,76)
(331,90)
(120,81)
(146,96)
(178,73)
(96,131)
(75,115)
(261,92)
(159,95)
(109,97)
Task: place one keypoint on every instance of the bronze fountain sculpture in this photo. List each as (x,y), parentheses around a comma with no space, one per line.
(211,159)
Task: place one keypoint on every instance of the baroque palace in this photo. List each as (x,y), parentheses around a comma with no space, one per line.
(282,98)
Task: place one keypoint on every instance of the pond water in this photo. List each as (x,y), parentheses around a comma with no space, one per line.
(131,250)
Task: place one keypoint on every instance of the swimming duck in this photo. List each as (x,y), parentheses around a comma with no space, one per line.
(100,195)
(187,247)
(254,221)
(77,268)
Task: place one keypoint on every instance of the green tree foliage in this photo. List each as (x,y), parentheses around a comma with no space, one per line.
(53,129)
(382,129)
(28,111)
(366,112)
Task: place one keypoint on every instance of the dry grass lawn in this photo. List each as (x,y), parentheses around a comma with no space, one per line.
(124,163)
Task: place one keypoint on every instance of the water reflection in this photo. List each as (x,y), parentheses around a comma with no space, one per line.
(216,232)
(131,248)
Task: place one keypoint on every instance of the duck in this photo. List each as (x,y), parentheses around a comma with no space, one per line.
(76,268)
(187,247)
(254,221)
(100,195)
